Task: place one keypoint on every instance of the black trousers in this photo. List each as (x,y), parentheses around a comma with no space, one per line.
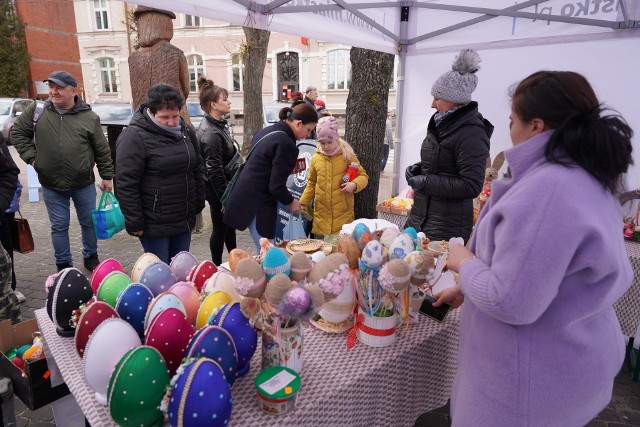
(7,243)
(222,234)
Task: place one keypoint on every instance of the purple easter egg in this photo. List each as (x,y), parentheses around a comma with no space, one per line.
(295,302)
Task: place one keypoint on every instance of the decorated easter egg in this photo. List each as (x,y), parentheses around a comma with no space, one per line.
(331,274)
(132,305)
(160,303)
(295,303)
(395,275)
(215,343)
(251,280)
(141,265)
(221,281)
(201,380)
(349,246)
(318,256)
(340,308)
(182,264)
(317,297)
(210,306)
(413,233)
(136,387)
(373,254)
(359,230)
(105,267)
(276,288)
(201,273)
(169,332)
(108,343)
(300,266)
(69,290)
(158,277)
(244,335)
(401,247)
(235,256)
(95,312)
(420,262)
(189,297)
(388,236)
(112,286)
(275,261)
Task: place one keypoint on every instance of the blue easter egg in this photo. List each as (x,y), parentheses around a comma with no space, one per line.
(275,261)
(158,277)
(244,334)
(359,230)
(413,233)
(216,344)
(132,305)
(201,396)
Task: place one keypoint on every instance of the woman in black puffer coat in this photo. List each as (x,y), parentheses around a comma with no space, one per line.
(222,158)
(453,156)
(159,177)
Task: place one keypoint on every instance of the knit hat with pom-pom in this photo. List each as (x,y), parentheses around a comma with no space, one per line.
(457,85)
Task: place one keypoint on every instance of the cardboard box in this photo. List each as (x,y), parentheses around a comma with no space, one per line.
(35,389)
(382,208)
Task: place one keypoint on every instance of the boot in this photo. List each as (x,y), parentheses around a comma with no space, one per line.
(91,262)
(64,265)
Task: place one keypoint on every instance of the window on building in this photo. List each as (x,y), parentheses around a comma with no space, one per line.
(338,70)
(237,68)
(196,69)
(191,21)
(100,10)
(108,75)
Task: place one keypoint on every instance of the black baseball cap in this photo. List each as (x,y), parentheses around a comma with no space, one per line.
(62,79)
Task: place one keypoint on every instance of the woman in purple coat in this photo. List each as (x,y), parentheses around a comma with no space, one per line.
(540,343)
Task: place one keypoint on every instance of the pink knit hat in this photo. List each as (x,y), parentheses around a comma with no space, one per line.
(327,128)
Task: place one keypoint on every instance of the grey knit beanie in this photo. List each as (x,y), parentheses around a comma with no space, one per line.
(456,85)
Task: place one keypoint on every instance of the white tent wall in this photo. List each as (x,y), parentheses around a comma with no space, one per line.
(611,65)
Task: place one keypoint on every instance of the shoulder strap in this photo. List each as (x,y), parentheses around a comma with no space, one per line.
(36,116)
(262,139)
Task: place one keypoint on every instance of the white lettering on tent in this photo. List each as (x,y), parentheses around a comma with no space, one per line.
(342,15)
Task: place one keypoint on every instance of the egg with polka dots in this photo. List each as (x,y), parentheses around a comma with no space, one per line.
(244,334)
(69,290)
(132,305)
(217,344)
(169,332)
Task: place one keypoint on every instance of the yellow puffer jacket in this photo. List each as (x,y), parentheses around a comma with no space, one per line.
(332,208)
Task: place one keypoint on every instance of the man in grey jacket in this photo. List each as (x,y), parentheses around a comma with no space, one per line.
(63,144)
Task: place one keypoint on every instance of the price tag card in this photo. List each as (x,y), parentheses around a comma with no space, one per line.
(277,382)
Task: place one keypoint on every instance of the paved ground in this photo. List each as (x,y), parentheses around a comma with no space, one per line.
(32,270)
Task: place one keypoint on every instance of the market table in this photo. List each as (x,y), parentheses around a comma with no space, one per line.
(628,307)
(364,386)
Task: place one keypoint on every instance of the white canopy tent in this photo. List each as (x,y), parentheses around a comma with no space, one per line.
(597,38)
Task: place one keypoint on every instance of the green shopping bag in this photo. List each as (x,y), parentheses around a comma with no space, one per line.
(107,219)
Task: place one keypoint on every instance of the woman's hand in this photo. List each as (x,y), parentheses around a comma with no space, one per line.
(137,233)
(349,187)
(295,206)
(452,296)
(458,255)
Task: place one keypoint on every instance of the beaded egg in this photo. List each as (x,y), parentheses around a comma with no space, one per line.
(300,266)
(141,264)
(190,298)
(137,386)
(158,277)
(200,273)
(132,305)
(160,303)
(215,343)
(221,281)
(276,288)
(244,335)
(169,332)
(210,306)
(182,264)
(395,275)
(200,380)
(94,314)
(250,279)
(69,290)
(275,261)
(108,343)
(105,267)
(112,286)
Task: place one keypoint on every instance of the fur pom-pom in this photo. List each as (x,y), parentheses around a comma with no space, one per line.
(467,61)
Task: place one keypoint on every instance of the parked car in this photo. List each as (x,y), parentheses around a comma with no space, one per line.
(196,114)
(10,109)
(113,114)
(271,112)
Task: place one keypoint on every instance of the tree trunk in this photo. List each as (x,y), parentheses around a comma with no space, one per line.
(367,106)
(254,59)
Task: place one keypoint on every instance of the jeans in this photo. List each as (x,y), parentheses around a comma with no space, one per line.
(255,235)
(166,248)
(222,234)
(58,208)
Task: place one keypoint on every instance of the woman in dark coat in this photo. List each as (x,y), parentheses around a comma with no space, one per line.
(159,175)
(263,180)
(453,156)
(222,158)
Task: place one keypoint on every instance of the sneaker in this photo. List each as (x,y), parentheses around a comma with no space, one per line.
(91,262)
(64,265)
(20,296)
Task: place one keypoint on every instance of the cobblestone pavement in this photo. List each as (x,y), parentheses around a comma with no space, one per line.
(32,270)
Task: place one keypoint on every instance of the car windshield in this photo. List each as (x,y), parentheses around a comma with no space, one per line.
(112,112)
(271,113)
(5,107)
(194,110)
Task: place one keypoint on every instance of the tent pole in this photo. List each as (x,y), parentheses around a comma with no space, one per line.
(402,53)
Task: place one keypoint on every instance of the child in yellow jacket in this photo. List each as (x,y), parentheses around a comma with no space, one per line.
(333,199)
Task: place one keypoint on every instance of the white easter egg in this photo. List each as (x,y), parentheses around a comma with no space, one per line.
(401,247)
(388,236)
(373,254)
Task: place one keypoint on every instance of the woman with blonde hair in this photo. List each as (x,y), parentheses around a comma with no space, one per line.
(332,195)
